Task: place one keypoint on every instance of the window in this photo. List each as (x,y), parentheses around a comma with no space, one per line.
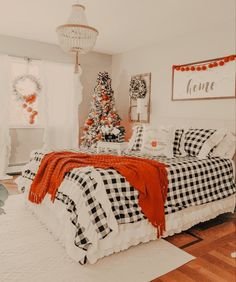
(26,103)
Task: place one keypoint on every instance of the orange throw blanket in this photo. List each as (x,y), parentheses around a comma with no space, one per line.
(149,177)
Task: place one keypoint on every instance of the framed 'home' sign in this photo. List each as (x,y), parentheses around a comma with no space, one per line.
(212,79)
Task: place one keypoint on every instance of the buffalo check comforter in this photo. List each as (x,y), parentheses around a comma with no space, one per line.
(109,200)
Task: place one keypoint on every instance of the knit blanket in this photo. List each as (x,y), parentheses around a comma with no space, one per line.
(149,177)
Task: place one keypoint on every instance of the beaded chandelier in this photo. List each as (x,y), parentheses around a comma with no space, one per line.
(76,36)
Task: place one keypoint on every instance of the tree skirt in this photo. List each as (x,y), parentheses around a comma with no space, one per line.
(30,253)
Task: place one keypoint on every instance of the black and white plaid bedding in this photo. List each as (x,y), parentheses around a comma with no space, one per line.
(191,182)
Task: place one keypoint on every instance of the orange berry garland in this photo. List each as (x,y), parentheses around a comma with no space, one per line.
(217,63)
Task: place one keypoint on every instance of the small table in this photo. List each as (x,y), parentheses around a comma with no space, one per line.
(113,146)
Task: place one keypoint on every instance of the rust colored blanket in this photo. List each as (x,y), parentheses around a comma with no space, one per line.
(149,177)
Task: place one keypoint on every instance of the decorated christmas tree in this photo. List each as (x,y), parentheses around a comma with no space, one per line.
(103,120)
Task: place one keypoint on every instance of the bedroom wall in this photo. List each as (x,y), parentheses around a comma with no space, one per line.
(25,140)
(158,59)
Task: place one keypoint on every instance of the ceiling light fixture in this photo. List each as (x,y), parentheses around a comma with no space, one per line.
(76,36)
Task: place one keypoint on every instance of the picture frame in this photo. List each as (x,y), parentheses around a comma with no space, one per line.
(209,79)
(144,116)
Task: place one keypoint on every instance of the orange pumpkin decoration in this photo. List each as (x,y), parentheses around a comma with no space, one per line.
(154,143)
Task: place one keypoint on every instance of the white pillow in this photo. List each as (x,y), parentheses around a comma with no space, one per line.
(158,141)
(226,148)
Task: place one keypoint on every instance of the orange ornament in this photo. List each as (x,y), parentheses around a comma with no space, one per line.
(231,58)
(215,64)
(210,65)
(89,122)
(226,59)
(187,69)
(24,106)
(198,68)
(192,68)
(221,63)
(182,69)
(105,98)
(204,67)
(29,109)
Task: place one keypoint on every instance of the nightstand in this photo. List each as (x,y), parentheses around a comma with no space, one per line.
(111,146)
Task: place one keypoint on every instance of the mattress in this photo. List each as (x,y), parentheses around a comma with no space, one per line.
(96,211)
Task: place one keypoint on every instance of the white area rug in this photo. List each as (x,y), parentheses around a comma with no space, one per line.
(28,252)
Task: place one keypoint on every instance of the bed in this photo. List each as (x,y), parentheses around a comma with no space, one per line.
(96,211)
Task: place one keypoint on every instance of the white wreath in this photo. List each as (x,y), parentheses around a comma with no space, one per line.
(22,78)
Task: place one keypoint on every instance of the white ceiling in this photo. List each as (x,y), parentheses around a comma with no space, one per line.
(123,24)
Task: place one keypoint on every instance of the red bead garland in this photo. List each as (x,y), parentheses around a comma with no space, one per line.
(221,62)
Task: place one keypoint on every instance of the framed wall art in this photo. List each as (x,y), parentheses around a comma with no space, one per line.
(139,98)
(211,79)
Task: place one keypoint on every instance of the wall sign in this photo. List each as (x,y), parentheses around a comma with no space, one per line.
(211,79)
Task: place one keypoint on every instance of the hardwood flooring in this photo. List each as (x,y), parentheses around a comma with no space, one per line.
(210,242)
(212,245)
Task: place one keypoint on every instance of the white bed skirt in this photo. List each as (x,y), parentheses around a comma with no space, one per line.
(128,234)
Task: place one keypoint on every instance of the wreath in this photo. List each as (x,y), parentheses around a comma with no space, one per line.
(27,99)
(138,88)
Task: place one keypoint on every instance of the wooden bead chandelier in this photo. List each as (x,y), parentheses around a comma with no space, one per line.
(76,36)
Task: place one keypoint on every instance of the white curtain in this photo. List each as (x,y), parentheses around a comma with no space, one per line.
(5,143)
(61,106)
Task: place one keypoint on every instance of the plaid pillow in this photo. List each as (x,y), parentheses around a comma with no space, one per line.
(177,141)
(137,138)
(195,139)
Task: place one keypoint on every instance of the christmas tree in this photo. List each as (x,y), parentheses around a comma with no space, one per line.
(103,119)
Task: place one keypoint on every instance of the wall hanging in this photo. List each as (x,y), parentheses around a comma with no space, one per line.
(26,89)
(139,97)
(211,79)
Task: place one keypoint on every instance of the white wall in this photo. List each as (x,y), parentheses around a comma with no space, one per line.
(25,140)
(159,58)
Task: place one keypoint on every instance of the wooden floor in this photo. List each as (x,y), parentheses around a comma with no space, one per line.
(211,243)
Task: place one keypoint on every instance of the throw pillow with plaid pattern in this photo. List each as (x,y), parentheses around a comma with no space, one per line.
(195,139)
